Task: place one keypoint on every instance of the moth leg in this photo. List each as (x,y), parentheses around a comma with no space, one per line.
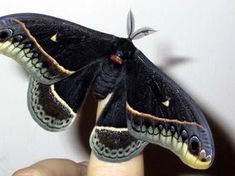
(110,139)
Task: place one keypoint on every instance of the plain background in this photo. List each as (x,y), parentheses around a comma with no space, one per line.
(195,46)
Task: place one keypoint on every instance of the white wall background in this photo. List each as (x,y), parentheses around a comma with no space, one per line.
(195,46)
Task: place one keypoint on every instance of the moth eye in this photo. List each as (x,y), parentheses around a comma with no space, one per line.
(194,145)
(5,34)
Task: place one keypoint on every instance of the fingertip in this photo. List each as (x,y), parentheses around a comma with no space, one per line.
(132,167)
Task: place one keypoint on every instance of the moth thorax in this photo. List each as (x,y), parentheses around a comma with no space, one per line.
(106,80)
(116,59)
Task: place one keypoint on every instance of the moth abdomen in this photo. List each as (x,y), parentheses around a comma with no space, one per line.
(106,80)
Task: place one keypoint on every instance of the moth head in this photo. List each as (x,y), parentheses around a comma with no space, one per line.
(123,48)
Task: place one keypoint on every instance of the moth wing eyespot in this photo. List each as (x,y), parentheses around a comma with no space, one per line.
(160,127)
(184,135)
(28,45)
(18,38)
(5,34)
(194,145)
(173,129)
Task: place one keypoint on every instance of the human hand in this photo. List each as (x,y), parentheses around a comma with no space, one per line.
(96,167)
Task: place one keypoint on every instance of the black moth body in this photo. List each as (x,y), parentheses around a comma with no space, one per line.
(138,103)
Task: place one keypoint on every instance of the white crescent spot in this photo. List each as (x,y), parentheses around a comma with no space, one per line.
(54,38)
(166,103)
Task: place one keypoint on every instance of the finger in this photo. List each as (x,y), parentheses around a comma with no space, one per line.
(54,167)
(133,167)
(96,167)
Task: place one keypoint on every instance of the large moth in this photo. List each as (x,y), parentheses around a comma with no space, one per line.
(140,104)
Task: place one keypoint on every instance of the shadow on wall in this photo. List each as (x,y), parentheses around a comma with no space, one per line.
(161,162)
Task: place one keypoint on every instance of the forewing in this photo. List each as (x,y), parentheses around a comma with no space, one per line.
(54,107)
(110,139)
(160,112)
(51,48)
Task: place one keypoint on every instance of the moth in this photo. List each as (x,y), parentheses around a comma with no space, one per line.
(140,103)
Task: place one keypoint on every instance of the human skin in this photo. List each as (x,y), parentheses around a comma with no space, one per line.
(96,167)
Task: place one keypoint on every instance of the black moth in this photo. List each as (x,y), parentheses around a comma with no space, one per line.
(137,103)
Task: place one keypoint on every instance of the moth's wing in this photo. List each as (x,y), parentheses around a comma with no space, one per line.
(51,48)
(54,107)
(160,112)
(110,139)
